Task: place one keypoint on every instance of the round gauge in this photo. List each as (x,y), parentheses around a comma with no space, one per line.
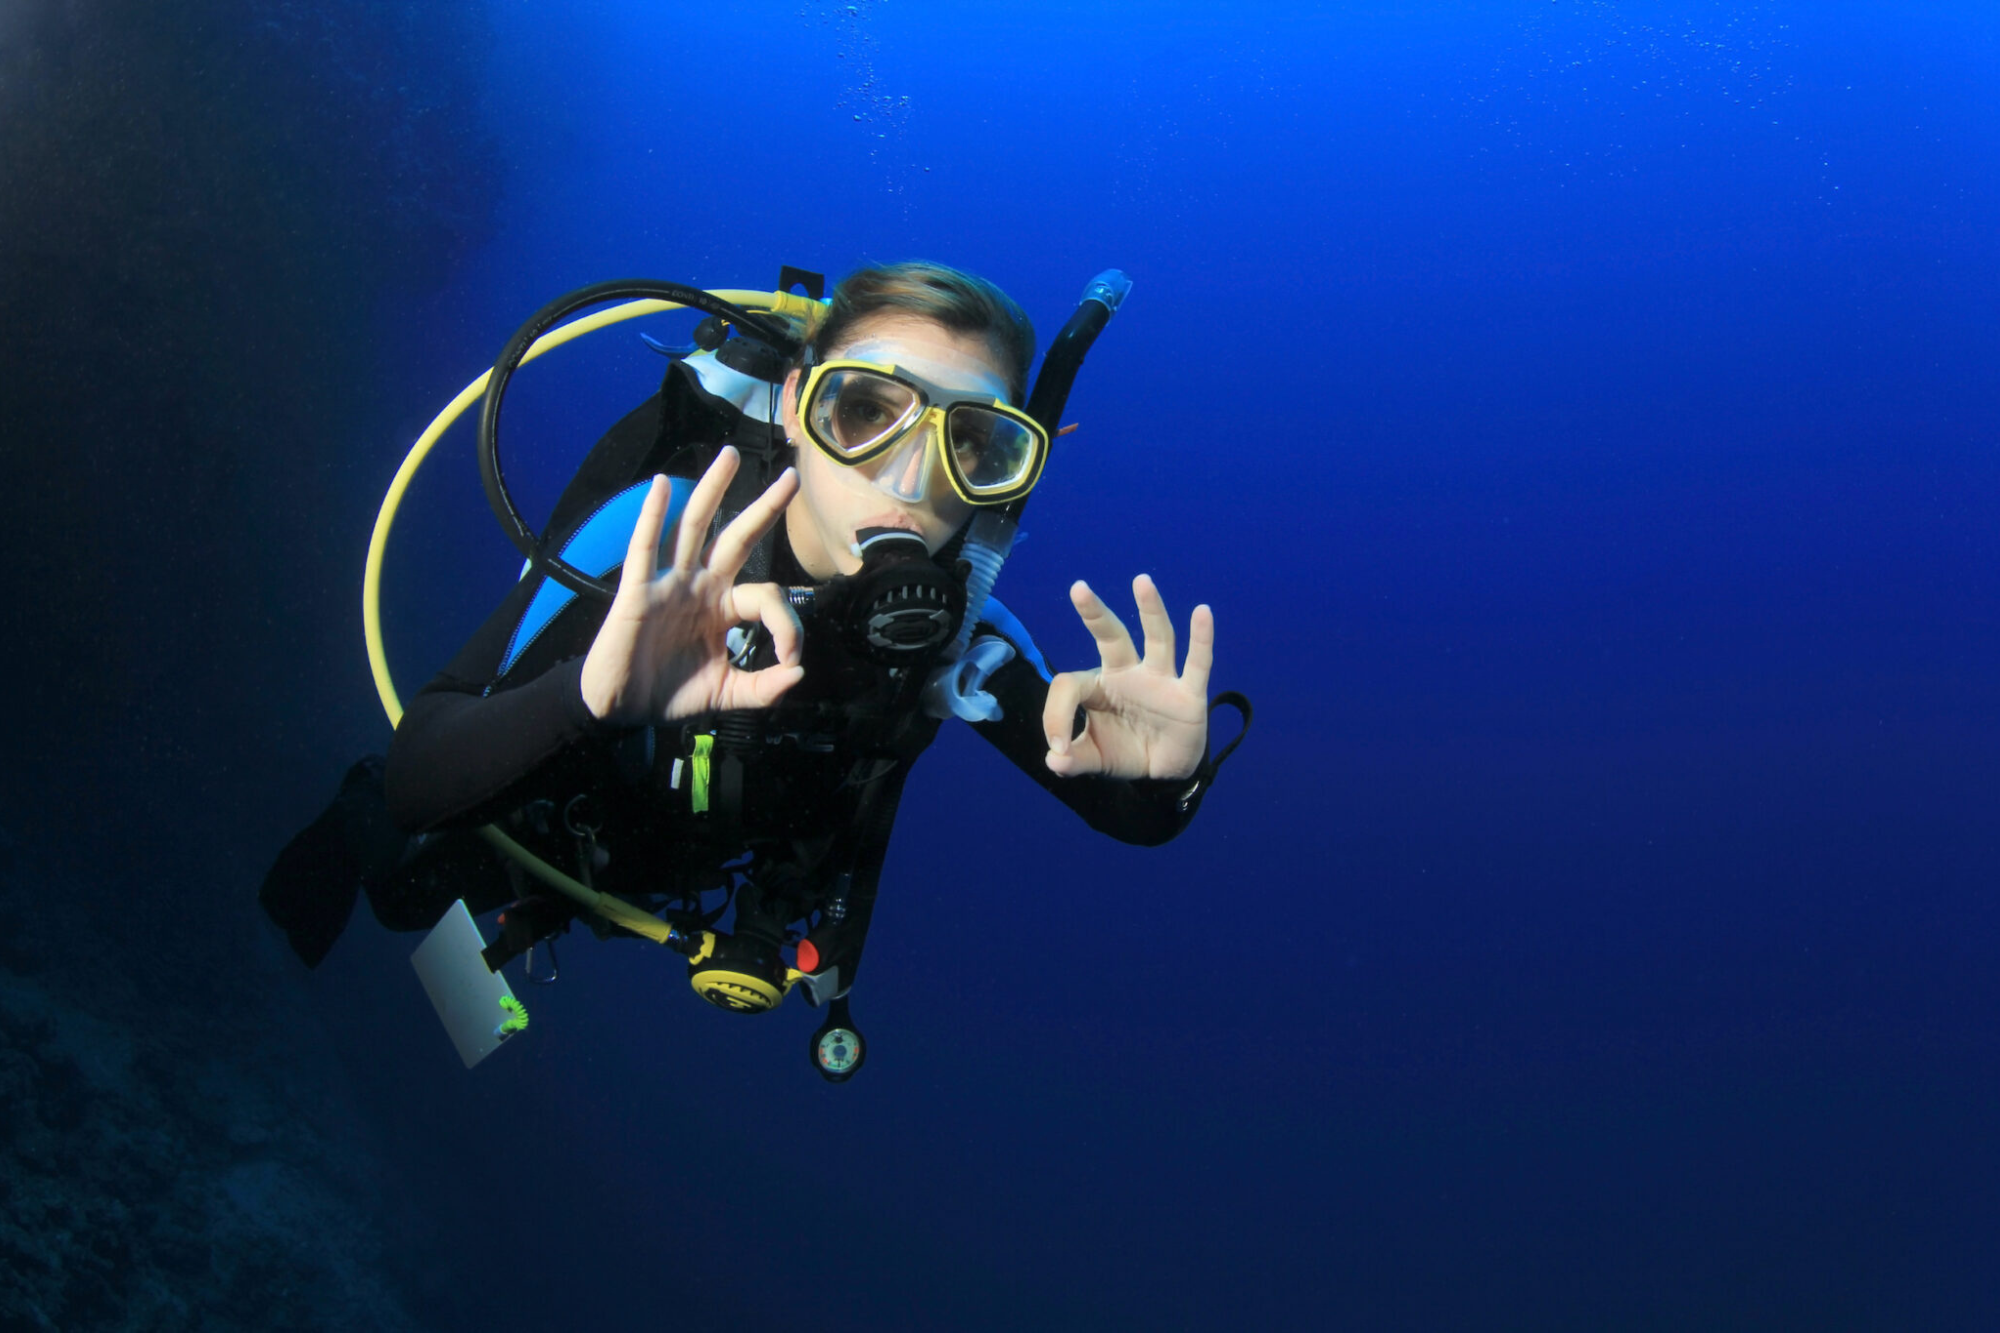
(839,1050)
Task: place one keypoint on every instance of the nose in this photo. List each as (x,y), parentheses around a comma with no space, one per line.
(911,478)
(906,471)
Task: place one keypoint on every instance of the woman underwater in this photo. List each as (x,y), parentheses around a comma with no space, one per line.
(734,728)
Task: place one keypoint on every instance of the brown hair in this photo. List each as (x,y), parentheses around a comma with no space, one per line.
(959,301)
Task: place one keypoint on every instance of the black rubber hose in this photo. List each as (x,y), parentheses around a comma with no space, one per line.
(509,360)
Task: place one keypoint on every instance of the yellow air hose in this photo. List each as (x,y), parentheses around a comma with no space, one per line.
(613,909)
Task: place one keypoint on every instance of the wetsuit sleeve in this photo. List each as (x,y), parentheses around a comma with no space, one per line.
(472,737)
(462,751)
(1145,811)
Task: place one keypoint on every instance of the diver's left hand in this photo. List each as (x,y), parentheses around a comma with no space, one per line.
(1141,720)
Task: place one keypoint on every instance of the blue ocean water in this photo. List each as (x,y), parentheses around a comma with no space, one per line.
(1581,417)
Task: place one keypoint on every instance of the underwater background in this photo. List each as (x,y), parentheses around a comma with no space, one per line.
(1581,415)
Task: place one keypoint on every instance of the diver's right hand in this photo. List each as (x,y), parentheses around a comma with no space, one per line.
(661,653)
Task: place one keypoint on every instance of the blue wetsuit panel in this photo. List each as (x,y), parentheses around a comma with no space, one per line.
(1011,629)
(597,547)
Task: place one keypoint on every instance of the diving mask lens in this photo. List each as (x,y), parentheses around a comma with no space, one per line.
(992,452)
(857,412)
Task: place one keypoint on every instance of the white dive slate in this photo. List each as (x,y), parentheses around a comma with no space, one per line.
(476,1003)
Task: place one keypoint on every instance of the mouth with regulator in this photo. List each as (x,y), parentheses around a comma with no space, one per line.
(877,523)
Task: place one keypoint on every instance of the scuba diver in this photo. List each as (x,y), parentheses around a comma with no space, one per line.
(805,523)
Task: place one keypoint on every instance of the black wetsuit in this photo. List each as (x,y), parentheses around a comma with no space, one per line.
(801,799)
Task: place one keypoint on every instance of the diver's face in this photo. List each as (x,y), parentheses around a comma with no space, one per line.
(835,501)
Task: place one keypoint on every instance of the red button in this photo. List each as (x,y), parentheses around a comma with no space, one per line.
(808,956)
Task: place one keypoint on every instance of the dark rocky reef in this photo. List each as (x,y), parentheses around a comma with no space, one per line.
(170,1166)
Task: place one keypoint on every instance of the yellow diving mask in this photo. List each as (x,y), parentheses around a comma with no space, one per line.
(860,411)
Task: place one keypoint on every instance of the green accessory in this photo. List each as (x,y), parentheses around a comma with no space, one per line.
(516,1019)
(704,746)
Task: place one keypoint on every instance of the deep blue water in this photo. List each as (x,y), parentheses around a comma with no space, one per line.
(1582,417)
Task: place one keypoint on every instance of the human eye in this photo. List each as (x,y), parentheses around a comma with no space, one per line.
(865,410)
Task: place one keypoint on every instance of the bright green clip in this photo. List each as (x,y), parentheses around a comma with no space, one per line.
(704,746)
(516,1019)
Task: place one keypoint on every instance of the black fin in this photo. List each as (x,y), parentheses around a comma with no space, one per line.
(310,890)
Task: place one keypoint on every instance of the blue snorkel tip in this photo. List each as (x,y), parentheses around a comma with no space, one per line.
(1109,289)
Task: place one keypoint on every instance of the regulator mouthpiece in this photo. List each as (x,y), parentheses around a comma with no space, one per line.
(901,607)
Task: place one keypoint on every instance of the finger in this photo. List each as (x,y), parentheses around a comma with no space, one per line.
(1072,750)
(1201,650)
(761,689)
(701,507)
(1157,624)
(733,547)
(1082,757)
(767,604)
(1059,712)
(1114,644)
(644,548)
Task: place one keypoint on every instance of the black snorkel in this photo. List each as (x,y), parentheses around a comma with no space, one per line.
(1101,299)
